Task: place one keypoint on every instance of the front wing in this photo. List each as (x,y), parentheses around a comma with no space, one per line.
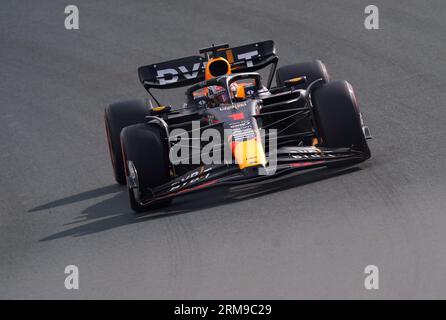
(288,160)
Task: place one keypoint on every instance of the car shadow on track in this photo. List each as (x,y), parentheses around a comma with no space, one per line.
(114,212)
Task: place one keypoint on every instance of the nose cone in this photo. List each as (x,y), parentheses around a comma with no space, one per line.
(248,153)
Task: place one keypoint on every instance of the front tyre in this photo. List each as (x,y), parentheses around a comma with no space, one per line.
(145,145)
(312,70)
(117,116)
(338,117)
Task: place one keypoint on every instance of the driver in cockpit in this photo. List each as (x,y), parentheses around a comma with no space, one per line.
(212,96)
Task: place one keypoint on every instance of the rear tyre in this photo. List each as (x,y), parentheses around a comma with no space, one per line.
(313,70)
(118,116)
(338,117)
(145,145)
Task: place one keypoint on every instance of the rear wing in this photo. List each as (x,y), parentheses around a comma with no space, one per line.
(190,70)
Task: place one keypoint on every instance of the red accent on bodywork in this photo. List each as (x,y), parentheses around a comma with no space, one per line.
(305,164)
(237,116)
(169,195)
(203,185)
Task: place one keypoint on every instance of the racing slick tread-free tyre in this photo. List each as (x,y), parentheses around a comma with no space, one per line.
(338,116)
(313,70)
(118,116)
(146,146)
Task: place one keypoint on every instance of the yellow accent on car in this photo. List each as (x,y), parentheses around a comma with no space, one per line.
(240,92)
(230,56)
(249,153)
(295,80)
(158,109)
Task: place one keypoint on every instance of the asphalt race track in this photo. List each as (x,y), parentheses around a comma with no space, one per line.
(308,236)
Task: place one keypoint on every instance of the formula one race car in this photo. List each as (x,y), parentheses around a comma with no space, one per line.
(233,128)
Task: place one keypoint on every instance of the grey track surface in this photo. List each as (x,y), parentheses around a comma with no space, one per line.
(303,237)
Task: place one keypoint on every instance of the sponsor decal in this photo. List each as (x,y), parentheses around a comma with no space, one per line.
(171,75)
(195,176)
(310,153)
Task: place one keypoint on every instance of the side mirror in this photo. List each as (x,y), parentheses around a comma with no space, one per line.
(295,81)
